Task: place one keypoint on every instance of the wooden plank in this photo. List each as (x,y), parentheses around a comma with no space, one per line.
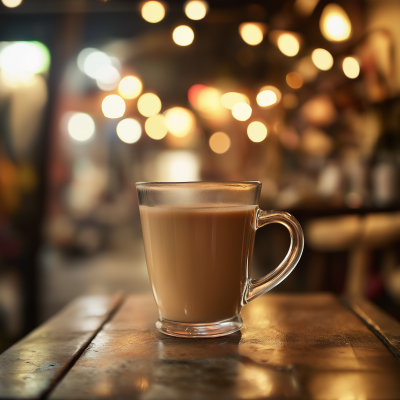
(291,346)
(31,367)
(382,324)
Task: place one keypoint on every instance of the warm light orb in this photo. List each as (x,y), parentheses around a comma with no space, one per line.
(81,127)
(94,62)
(149,104)
(130,87)
(113,106)
(257,131)
(219,142)
(290,101)
(294,80)
(266,98)
(153,11)
(351,67)
(306,68)
(228,100)
(107,77)
(180,121)
(334,23)
(11,3)
(322,59)
(252,34)
(129,130)
(196,9)
(208,99)
(183,35)
(156,127)
(288,44)
(241,111)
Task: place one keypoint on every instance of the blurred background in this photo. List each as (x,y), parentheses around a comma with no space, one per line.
(302,95)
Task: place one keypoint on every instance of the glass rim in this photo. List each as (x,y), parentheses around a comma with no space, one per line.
(210,183)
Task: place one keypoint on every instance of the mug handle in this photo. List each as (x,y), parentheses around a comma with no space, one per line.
(257,287)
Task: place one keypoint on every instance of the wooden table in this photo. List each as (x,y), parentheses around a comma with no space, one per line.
(311,346)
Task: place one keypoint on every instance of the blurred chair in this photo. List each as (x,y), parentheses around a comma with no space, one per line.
(358,235)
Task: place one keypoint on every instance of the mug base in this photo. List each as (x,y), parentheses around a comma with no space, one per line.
(206,330)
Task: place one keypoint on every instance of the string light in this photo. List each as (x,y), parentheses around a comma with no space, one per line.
(180,121)
(129,130)
(241,111)
(155,127)
(257,131)
(351,67)
(107,78)
(268,96)
(130,87)
(149,104)
(334,23)
(11,3)
(219,142)
(251,33)
(153,11)
(288,44)
(322,59)
(113,106)
(294,80)
(94,62)
(183,35)
(228,100)
(81,127)
(196,10)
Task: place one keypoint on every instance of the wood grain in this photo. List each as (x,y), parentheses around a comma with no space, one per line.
(291,346)
(30,368)
(383,325)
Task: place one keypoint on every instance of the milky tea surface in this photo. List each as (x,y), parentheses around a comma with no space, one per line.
(197,259)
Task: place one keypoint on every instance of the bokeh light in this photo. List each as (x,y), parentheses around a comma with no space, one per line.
(251,33)
(180,121)
(196,9)
(290,101)
(156,127)
(153,11)
(351,67)
(149,104)
(306,68)
(82,56)
(241,111)
(183,35)
(81,127)
(305,7)
(294,80)
(129,130)
(11,3)
(322,59)
(113,106)
(193,94)
(257,131)
(228,100)
(107,77)
(268,96)
(94,62)
(130,87)
(219,142)
(25,58)
(208,99)
(334,23)
(288,44)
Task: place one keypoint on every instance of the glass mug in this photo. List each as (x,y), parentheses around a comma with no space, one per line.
(198,240)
